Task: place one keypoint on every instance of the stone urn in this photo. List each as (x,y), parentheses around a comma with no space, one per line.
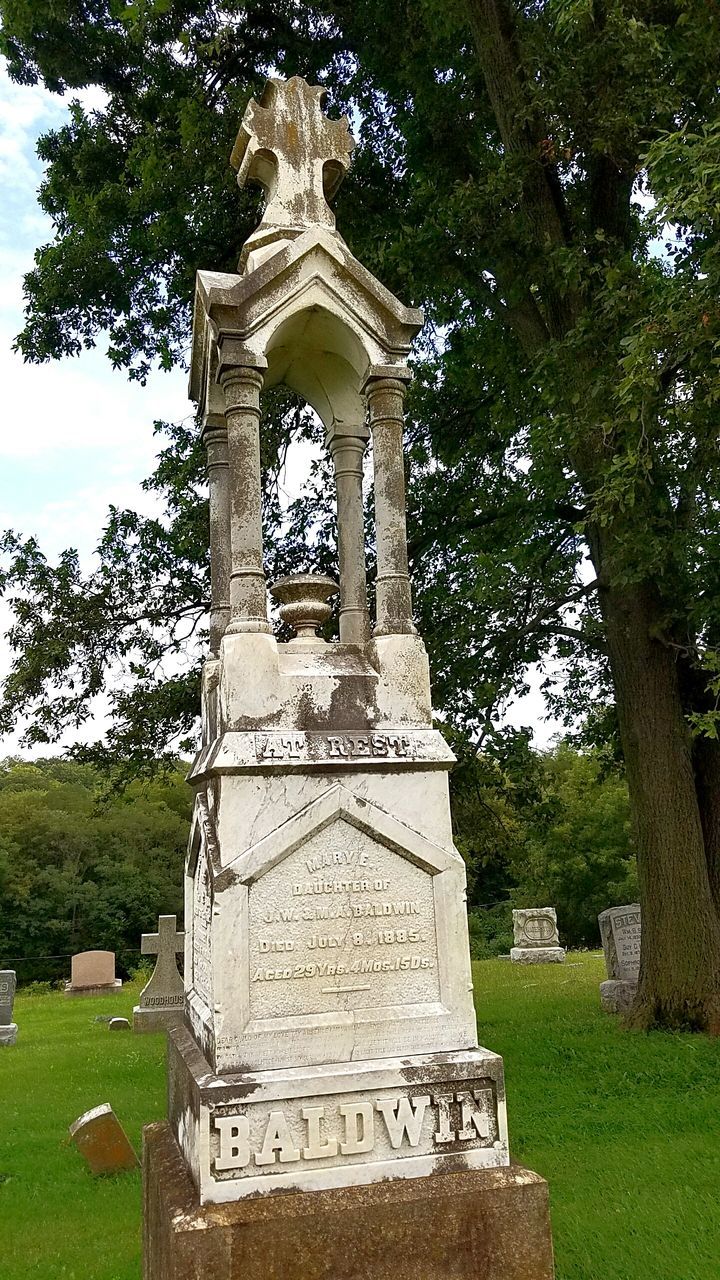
(303,600)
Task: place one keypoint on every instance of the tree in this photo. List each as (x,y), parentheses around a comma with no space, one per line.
(577,850)
(81,868)
(541,827)
(543,179)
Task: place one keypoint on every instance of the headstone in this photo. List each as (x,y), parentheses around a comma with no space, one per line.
(621,932)
(8,1028)
(536,937)
(101,1139)
(162,1001)
(118,1024)
(330,1038)
(92,973)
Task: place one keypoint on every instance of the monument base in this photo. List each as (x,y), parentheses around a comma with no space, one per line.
(156,1019)
(346,1124)
(8,1035)
(489,1224)
(537,955)
(103,989)
(617,996)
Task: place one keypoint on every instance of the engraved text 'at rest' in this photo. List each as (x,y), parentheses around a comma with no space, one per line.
(333,746)
(316,1132)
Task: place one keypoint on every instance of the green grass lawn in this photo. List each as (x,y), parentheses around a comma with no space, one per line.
(624,1126)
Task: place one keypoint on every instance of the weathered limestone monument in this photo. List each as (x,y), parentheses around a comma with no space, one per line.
(162,1000)
(329,1051)
(621,932)
(536,937)
(8,1028)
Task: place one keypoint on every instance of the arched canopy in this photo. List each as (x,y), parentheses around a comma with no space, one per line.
(310,303)
(320,356)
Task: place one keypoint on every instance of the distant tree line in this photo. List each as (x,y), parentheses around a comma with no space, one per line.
(85,867)
(542,829)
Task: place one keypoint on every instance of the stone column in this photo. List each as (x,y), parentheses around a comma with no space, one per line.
(242,382)
(385,392)
(347,446)
(215,438)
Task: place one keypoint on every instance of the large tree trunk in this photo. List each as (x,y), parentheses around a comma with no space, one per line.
(674,791)
(680,965)
(706,755)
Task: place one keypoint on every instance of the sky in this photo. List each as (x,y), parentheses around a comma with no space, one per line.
(75,435)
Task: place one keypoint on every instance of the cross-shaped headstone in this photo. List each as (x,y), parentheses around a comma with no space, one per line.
(294,152)
(166,985)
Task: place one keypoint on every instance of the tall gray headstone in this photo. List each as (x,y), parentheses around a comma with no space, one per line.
(621,933)
(8,1028)
(162,1001)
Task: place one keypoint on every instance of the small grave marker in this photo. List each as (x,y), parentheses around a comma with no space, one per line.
(536,937)
(92,973)
(8,1028)
(621,932)
(101,1139)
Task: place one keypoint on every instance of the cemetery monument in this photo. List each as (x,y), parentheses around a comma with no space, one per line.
(621,932)
(92,973)
(329,1051)
(8,1028)
(162,1000)
(536,937)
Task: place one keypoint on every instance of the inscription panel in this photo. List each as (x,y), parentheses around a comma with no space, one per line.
(627,933)
(535,927)
(340,747)
(245,751)
(320,1132)
(163,1002)
(341,923)
(202,919)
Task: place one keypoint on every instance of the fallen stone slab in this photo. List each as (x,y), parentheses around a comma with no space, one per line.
(101,1139)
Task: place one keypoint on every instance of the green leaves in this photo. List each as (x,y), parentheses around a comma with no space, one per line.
(81,868)
(563,240)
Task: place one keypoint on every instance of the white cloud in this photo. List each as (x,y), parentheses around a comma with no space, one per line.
(83,404)
(76,436)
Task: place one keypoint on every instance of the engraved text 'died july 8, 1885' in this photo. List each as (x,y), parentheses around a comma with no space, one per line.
(342,923)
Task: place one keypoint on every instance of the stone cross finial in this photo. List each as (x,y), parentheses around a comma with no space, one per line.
(167,942)
(294,152)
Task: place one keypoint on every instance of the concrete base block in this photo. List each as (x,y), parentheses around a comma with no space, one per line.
(617,996)
(106,989)
(8,1035)
(157,1019)
(490,1224)
(537,955)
